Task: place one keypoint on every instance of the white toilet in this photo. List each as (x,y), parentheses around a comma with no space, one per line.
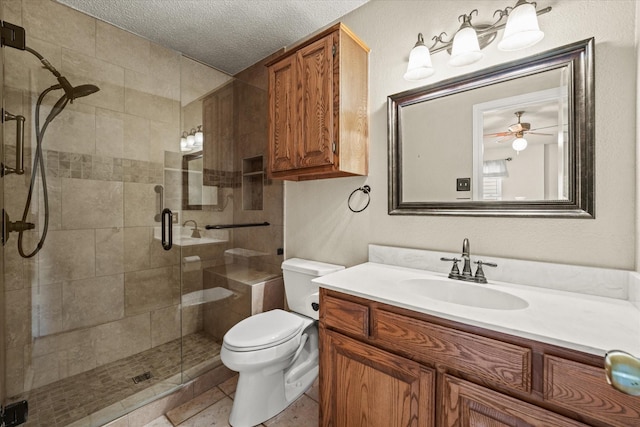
(276,352)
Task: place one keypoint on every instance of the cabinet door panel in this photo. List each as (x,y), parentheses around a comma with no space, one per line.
(315,104)
(584,389)
(482,357)
(282,101)
(470,405)
(363,386)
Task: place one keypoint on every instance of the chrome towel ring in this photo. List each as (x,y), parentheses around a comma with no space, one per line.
(366,190)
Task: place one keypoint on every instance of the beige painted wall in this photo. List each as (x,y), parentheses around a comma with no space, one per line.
(319,225)
(637,157)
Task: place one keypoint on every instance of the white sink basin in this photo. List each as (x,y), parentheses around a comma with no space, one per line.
(182,236)
(462,293)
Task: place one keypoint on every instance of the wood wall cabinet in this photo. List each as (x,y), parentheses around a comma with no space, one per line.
(318,108)
(382,365)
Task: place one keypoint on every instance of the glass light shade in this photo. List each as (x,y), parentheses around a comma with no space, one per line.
(183,142)
(465,50)
(519,144)
(191,138)
(199,137)
(522,29)
(420,66)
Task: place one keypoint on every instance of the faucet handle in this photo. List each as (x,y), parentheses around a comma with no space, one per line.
(455,271)
(480,277)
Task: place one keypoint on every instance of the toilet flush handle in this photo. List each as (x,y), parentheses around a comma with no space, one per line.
(315,306)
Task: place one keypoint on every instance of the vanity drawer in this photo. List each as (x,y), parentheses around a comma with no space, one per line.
(496,361)
(584,389)
(345,316)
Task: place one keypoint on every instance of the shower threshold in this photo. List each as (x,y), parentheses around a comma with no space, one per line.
(95,397)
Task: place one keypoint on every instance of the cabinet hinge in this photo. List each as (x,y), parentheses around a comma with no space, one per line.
(333,147)
(334,49)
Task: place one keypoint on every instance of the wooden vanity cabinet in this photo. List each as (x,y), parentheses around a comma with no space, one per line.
(318,108)
(382,365)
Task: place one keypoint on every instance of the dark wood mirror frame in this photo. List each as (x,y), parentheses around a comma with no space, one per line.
(579,58)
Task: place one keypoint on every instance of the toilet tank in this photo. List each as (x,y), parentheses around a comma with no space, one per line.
(298,287)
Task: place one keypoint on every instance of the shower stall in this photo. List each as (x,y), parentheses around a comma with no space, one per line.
(109,304)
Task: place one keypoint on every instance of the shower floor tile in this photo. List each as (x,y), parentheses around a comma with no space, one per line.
(109,391)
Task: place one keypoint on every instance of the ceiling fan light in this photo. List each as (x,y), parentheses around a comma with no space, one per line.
(519,144)
(522,30)
(420,66)
(466,49)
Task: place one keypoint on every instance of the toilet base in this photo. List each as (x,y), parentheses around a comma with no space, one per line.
(263,394)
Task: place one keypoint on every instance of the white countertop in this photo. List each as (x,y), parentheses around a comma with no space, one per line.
(592,324)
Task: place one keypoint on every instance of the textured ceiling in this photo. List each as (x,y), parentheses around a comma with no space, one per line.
(229,35)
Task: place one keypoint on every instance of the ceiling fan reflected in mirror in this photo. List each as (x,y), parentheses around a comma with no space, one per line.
(516,132)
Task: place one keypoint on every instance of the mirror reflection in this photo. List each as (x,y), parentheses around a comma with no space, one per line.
(507,140)
(515,139)
(197,194)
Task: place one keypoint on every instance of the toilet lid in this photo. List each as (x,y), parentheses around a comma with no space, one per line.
(263,330)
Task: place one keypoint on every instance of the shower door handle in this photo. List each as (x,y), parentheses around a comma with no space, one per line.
(167,229)
(19,169)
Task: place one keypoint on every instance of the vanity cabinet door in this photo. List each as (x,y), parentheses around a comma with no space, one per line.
(584,389)
(469,405)
(318,108)
(315,137)
(362,386)
(282,100)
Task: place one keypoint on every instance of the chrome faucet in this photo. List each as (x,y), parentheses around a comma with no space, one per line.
(466,268)
(466,274)
(195,233)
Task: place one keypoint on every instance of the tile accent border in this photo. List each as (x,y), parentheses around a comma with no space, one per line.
(86,166)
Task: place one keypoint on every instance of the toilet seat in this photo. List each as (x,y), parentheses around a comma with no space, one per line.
(263,330)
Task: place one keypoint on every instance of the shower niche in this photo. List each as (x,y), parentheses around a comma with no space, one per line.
(252,183)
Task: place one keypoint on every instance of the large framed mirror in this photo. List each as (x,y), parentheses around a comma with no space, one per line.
(196,193)
(513,140)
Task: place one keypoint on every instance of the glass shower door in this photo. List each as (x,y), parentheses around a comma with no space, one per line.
(92,300)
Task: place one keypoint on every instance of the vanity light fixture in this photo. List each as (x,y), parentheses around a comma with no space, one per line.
(465,49)
(199,135)
(192,140)
(419,62)
(521,31)
(184,145)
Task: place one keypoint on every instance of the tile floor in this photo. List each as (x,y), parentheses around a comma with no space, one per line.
(212,408)
(108,391)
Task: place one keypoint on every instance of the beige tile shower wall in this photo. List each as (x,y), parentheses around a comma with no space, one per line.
(251,136)
(102,288)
